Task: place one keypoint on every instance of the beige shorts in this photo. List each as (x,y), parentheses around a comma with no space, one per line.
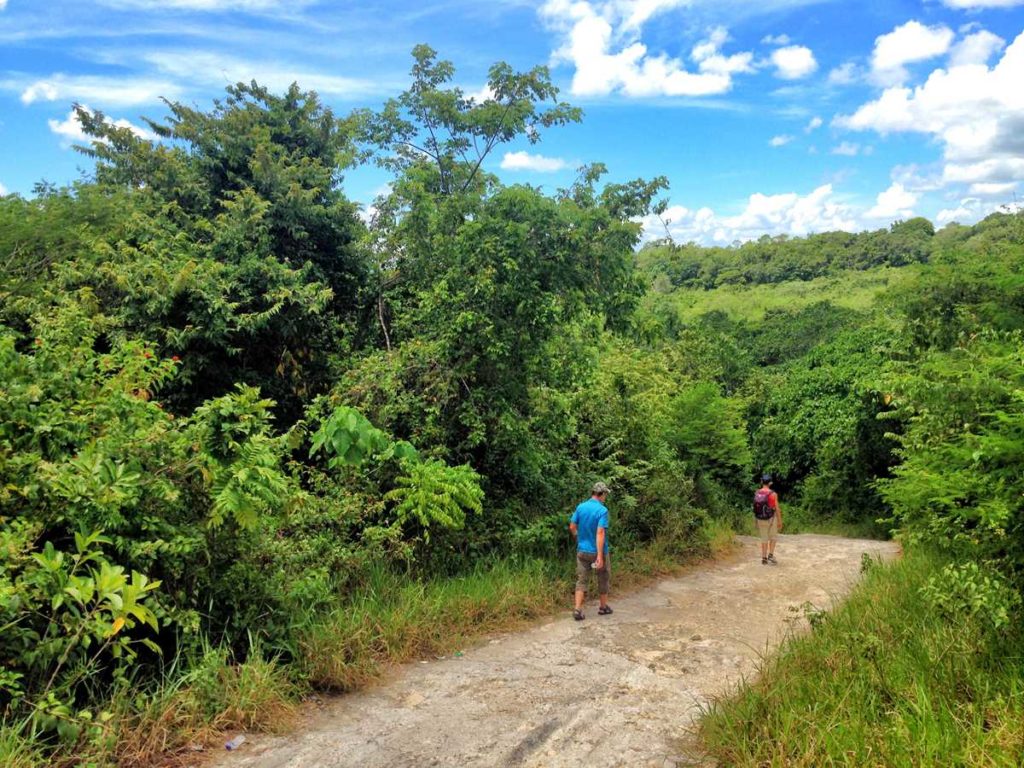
(766,528)
(584,560)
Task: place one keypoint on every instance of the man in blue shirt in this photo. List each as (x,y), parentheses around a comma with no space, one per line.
(589,524)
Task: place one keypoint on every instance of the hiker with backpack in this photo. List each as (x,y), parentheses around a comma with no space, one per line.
(768,517)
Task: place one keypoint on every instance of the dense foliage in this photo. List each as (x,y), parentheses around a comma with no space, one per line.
(230,406)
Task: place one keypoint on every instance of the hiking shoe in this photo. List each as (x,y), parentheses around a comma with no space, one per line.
(772,560)
(764,561)
(604,610)
(578,615)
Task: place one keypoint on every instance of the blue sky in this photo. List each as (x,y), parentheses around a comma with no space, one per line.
(782,116)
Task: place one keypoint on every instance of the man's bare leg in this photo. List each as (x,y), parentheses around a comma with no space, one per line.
(580,597)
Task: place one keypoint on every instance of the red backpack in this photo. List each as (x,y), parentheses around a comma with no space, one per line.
(763,504)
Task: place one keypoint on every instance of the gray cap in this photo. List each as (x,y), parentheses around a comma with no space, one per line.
(599,488)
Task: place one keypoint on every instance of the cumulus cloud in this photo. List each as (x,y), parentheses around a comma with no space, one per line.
(787,213)
(776,40)
(480,95)
(908,43)
(106,91)
(780,141)
(844,74)
(524,161)
(976,112)
(3,4)
(968,210)
(897,202)
(3,189)
(793,62)
(977,48)
(601,40)
(71,132)
(849,149)
(972,209)
(814,124)
(990,189)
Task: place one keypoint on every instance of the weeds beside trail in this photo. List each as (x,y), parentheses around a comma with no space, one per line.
(885,680)
(389,620)
(394,620)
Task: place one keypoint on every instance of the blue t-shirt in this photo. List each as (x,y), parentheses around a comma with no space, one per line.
(588,517)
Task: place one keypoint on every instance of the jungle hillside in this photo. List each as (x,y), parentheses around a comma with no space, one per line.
(256,441)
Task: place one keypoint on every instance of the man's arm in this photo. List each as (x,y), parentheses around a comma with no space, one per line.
(600,548)
(778,512)
(573,530)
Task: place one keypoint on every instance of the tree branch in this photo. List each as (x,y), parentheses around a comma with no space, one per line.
(487,149)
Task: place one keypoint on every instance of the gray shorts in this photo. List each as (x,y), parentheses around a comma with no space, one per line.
(584,560)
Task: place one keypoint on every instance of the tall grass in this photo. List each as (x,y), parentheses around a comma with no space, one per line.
(393,619)
(390,618)
(882,681)
(16,750)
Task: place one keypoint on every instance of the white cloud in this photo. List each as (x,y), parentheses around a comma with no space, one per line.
(966,211)
(40,90)
(106,91)
(788,213)
(524,161)
(993,170)
(214,70)
(601,40)
(207,5)
(480,95)
(3,189)
(780,141)
(814,124)
(975,4)
(709,60)
(977,48)
(775,40)
(908,43)
(846,148)
(897,202)
(3,4)
(793,62)
(974,111)
(991,189)
(71,132)
(844,74)
(972,209)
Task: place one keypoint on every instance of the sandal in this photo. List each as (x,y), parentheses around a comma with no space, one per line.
(578,615)
(605,610)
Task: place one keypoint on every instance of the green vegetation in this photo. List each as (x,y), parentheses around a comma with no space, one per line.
(252,444)
(913,669)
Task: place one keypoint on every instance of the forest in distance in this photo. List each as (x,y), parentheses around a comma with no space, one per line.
(254,444)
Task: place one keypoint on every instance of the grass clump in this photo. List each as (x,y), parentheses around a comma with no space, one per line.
(194,708)
(17,751)
(890,678)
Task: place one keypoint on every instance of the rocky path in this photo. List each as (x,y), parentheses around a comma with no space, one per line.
(620,690)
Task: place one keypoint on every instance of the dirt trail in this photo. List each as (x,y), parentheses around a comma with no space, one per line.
(619,690)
